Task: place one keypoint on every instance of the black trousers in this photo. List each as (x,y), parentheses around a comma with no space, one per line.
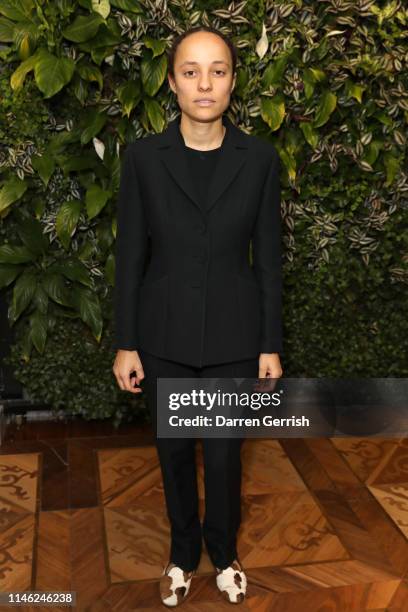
(222,472)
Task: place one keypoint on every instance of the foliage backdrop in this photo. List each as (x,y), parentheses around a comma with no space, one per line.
(325,81)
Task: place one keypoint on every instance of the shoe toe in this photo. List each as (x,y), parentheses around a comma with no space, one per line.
(174,585)
(232,583)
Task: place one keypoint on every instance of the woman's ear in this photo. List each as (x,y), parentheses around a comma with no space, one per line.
(171,83)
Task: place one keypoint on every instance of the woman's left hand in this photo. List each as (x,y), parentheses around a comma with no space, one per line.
(269,365)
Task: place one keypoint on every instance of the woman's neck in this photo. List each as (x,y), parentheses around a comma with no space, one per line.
(202,136)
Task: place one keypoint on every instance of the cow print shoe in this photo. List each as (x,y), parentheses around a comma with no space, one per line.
(232,582)
(174,584)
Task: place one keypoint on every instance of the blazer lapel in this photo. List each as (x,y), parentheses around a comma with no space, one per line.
(233,156)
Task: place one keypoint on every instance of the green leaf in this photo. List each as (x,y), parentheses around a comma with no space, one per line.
(45,166)
(317,74)
(23,292)
(25,40)
(155,114)
(308,83)
(80,89)
(310,77)
(38,330)
(90,72)
(385,12)
(11,191)
(153,73)
(18,76)
(108,35)
(17,10)
(129,94)
(86,251)
(75,270)
(38,206)
(289,162)
(274,72)
(392,165)
(157,46)
(273,111)
(110,269)
(66,221)
(384,118)
(8,273)
(54,286)
(88,306)
(52,73)
(95,200)
(98,55)
(128,5)
(114,173)
(322,49)
(26,34)
(311,136)
(74,163)
(327,104)
(83,28)
(40,299)
(372,150)
(241,81)
(31,233)
(93,128)
(353,90)
(7,31)
(15,254)
(102,7)
(58,142)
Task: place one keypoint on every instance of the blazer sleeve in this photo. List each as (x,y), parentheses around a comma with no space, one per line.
(130,253)
(267,259)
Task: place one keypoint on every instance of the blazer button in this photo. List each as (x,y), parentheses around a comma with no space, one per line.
(200,228)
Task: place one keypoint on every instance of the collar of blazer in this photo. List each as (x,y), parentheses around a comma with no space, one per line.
(233,155)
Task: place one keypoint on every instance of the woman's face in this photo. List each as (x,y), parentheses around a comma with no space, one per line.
(203,70)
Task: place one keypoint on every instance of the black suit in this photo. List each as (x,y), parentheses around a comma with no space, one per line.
(197,300)
(199,309)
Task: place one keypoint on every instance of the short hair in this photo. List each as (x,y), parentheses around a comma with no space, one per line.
(171,54)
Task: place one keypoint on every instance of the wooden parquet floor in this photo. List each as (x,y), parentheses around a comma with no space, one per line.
(324,522)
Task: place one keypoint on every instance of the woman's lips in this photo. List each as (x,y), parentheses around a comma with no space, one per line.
(204,102)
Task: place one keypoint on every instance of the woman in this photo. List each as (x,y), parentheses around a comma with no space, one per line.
(202,190)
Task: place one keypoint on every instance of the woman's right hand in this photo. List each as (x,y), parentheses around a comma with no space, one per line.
(125,363)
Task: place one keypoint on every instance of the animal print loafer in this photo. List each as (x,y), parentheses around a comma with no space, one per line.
(232,582)
(174,584)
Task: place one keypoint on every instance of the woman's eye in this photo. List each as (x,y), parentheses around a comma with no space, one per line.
(191,71)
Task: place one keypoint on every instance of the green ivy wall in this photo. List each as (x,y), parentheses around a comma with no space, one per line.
(325,82)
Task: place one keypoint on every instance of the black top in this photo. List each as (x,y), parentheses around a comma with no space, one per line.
(202,165)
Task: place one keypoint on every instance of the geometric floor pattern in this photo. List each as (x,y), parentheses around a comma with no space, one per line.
(324,523)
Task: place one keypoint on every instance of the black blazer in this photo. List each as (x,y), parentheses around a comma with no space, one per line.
(193,296)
